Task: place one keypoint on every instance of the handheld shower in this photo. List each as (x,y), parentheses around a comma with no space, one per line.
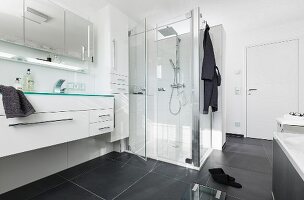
(176,85)
(172,63)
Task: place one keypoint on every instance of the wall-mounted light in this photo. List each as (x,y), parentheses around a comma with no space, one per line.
(53,64)
(36,16)
(4,55)
(35,61)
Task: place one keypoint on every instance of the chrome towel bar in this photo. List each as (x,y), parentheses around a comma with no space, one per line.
(43,122)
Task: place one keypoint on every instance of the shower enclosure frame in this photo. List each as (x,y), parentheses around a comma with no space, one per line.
(195,161)
(195,27)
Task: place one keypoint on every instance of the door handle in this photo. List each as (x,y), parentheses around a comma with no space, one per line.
(161,89)
(252,89)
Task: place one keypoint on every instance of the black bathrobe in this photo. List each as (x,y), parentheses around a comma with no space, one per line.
(210,74)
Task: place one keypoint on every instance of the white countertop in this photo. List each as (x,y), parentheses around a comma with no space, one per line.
(293,146)
(291,120)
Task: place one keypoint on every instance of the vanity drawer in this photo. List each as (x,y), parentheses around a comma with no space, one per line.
(121,80)
(119,89)
(101,115)
(41,130)
(101,128)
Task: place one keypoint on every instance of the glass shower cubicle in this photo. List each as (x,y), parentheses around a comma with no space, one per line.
(164,64)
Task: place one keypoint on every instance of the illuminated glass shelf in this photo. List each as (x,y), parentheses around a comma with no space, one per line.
(68,94)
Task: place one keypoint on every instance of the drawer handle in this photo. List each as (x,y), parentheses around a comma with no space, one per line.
(123,89)
(120,79)
(108,115)
(43,122)
(104,128)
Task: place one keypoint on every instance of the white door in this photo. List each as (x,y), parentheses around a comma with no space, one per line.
(272,86)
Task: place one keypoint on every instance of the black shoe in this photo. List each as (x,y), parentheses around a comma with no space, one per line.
(224,179)
(220,171)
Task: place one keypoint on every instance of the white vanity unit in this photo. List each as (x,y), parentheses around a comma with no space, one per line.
(59,118)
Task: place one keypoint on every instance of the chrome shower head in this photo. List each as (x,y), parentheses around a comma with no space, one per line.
(168,31)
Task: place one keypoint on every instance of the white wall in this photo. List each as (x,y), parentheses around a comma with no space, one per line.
(235,63)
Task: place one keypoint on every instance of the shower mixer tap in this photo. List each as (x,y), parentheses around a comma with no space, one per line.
(178,85)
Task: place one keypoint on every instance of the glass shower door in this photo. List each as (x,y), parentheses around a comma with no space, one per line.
(174,89)
(137,86)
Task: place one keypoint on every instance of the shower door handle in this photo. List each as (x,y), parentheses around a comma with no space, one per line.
(161,89)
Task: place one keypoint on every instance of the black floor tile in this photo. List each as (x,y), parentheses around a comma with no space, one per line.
(246,149)
(33,189)
(136,161)
(267,143)
(83,168)
(112,155)
(155,186)
(237,160)
(231,198)
(111,179)
(181,173)
(255,185)
(67,191)
(244,140)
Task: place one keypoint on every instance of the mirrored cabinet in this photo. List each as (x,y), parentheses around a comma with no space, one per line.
(78,37)
(11,21)
(44,25)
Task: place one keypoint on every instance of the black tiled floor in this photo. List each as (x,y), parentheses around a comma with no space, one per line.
(29,191)
(67,191)
(73,172)
(155,186)
(125,176)
(180,173)
(107,181)
(242,140)
(231,198)
(246,149)
(137,161)
(242,161)
(255,185)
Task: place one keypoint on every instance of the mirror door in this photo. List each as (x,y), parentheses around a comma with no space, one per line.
(44,25)
(78,37)
(11,21)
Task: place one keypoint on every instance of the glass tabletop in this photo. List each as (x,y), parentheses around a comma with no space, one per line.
(200,192)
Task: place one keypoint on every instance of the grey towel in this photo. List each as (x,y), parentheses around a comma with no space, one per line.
(15,103)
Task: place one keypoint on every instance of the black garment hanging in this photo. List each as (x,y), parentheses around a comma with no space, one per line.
(210,75)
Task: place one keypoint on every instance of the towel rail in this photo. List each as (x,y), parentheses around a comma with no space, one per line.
(42,122)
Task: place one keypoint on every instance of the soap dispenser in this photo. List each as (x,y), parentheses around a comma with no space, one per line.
(28,81)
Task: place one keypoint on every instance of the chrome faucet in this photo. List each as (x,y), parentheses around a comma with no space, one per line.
(58,85)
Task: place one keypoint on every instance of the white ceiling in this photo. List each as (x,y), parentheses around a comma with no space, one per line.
(233,13)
